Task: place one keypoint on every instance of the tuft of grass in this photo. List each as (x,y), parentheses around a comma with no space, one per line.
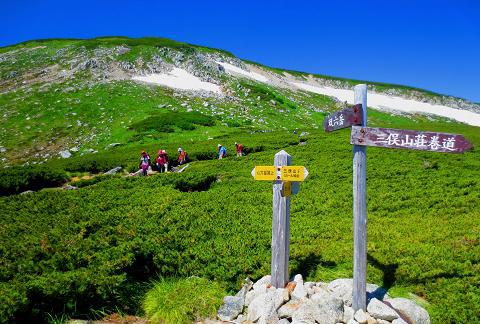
(182,301)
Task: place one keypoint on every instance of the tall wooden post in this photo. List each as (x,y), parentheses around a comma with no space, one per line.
(359,300)
(280,226)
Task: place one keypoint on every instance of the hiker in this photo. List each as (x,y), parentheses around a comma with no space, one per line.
(144,163)
(239,149)
(182,156)
(162,161)
(222,152)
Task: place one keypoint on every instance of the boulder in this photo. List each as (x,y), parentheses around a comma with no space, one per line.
(308,312)
(348,313)
(262,283)
(343,288)
(232,307)
(249,296)
(380,310)
(409,309)
(361,317)
(114,170)
(399,321)
(113,145)
(264,307)
(65,154)
(287,310)
(299,292)
(330,307)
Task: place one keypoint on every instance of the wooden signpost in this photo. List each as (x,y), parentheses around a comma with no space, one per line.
(344,118)
(285,177)
(361,137)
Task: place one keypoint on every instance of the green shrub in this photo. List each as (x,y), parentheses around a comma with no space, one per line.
(17,179)
(183,301)
(165,122)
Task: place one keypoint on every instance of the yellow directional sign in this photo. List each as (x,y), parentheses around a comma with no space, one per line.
(293,173)
(265,172)
(283,173)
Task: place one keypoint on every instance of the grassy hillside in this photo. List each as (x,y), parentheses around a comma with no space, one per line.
(96,250)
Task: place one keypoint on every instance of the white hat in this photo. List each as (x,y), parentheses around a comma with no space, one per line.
(179,149)
(219,145)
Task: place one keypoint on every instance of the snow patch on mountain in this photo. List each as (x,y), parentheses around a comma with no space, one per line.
(385,102)
(232,69)
(179,79)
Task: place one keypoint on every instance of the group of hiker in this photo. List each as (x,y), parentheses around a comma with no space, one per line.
(161,162)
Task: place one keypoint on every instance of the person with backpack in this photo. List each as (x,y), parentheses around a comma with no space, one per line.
(182,156)
(239,149)
(144,163)
(162,161)
(222,152)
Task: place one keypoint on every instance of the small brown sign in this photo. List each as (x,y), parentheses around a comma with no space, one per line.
(409,139)
(344,118)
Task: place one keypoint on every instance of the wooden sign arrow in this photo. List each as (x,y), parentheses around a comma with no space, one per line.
(344,118)
(409,139)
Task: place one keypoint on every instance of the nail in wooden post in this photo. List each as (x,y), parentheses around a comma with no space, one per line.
(359,300)
(280,227)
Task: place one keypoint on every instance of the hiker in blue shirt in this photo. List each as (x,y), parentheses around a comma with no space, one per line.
(222,152)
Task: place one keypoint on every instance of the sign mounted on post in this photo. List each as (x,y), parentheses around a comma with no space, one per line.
(285,183)
(409,139)
(283,173)
(344,118)
(265,172)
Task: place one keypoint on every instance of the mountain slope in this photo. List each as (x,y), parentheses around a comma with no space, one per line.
(82,95)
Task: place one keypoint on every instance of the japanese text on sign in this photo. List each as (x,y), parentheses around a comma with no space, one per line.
(293,173)
(336,120)
(265,173)
(418,141)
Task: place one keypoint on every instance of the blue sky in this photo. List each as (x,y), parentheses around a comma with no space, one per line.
(428,44)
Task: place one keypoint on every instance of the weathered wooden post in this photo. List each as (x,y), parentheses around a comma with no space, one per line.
(280,225)
(359,300)
(285,179)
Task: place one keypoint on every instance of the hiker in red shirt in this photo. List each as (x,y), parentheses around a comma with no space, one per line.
(182,156)
(239,149)
(162,161)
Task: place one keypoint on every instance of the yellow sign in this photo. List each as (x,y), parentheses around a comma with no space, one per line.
(265,173)
(287,189)
(293,173)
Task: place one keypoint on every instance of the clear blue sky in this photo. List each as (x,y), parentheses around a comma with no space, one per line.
(428,44)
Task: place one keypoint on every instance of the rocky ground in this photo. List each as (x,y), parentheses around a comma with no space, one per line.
(315,302)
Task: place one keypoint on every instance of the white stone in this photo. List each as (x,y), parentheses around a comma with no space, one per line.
(265,280)
(299,292)
(360,316)
(399,321)
(290,308)
(380,310)
(330,307)
(298,279)
(309,284)
(348,313)
(249,297)
(65,154)
(410,309)
(352,321)
(263,308)
(306,313)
